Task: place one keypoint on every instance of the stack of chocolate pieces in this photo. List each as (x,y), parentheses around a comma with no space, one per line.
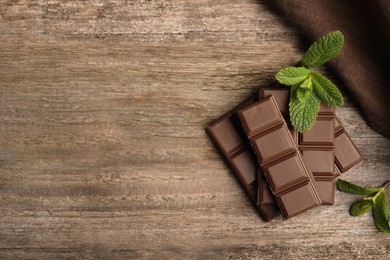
(281,170)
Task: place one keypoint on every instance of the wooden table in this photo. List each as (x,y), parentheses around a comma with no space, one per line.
(103,106)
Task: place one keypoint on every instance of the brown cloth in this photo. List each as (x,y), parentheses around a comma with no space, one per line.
(364,63)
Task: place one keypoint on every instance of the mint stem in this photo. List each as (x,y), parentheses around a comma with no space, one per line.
(386,185)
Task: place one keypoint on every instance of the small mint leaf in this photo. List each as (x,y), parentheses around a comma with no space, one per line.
(307,84)
(380,212)
(303,94)
(303,113)
(360,207)
(292,75)
(323,50)
(326,91)
(348,187)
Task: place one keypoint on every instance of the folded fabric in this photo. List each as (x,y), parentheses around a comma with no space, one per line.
(364,63)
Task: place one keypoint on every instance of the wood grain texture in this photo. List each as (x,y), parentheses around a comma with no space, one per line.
(103,106)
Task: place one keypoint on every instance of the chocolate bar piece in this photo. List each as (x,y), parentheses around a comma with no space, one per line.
(228,136)
(346,153)
(282,163)
(317,148)
(316,144)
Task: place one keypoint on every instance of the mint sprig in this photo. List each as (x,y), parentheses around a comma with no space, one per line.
(312,88)
(377,201)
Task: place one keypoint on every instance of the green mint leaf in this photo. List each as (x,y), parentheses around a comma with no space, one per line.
(292,75)
(303,113)
(380,212)
(303,94)
(307,84)
(323,50)
(360,207)
(326,91)
(348,187)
